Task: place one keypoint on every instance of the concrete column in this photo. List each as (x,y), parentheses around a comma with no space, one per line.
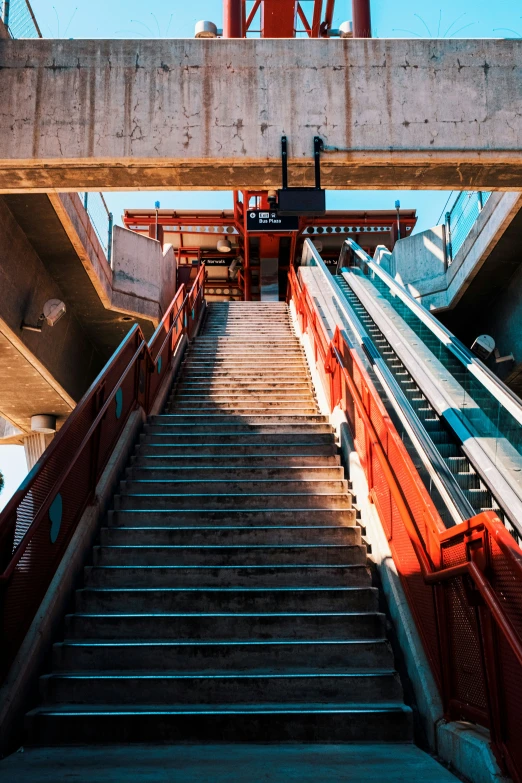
(34,446)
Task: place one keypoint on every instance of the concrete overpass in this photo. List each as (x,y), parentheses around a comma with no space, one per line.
(200,114)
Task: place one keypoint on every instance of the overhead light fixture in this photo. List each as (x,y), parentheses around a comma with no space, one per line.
(224,246)
(205,29)
(43,422)
(53,310)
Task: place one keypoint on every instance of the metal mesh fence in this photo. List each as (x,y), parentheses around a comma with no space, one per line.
(19,18)
(101,218)
(463,215)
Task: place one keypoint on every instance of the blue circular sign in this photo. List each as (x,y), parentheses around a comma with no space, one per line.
(55,515)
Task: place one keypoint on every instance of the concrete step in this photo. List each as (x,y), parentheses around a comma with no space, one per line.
(280,353)
(241,428)
(230,555)
(161,655)
(250,437)
(225,626)
(228,535)
(282,373)
(252,449)
(228,462)
(226,396)
(233,517)
(66,724)
(233,381)
(200,599)
(195,418)
(297,501)
(271,575)
(252,364)
(242,406)
(265,386)
(224,472)
(231,485)
(143,688)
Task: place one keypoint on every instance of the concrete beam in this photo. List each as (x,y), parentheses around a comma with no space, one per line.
(200,114)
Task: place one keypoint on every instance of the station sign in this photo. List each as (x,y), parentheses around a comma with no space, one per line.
(269,220)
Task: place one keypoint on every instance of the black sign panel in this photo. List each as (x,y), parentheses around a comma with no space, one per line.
(269,220)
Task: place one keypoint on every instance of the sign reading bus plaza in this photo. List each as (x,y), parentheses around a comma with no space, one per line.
(259,220)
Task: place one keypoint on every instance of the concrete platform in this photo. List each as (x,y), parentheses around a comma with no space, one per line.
(397,763)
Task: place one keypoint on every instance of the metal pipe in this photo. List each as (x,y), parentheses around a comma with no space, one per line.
(361,16)
(232,19)
(5,15)
(109,239)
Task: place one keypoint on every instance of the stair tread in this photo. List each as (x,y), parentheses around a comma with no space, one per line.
(203,644)
(185,709)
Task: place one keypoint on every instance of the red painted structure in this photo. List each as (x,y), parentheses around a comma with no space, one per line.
(285,18)
(194,237)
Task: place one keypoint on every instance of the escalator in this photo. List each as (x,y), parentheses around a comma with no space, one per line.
(459,422)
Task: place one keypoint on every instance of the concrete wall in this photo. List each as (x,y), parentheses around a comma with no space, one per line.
(192,114)
(142,279)
(39,373)
(420,260)
(143,270)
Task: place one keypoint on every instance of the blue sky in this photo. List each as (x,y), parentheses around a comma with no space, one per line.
(176,18)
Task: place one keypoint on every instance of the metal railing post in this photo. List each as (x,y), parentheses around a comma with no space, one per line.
(5,15)
(480,200)
(109,238)
(85,200)
(449,253)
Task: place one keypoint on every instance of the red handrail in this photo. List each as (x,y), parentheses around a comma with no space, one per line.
(464,585)
(37,523)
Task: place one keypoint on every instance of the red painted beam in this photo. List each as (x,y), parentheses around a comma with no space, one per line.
(232,19)
(278,18)
(361,16)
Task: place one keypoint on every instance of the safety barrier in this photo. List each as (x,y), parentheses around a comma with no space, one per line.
(462,217)
(39,520)
(101,218)
(463,585)
(18,17)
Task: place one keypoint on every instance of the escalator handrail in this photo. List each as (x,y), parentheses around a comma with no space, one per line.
(501,392)
(456,502)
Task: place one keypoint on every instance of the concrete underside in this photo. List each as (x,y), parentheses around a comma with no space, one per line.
(492,304)
(191,114)
(224,763)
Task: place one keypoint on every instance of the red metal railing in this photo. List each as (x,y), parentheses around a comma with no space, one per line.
(39,520)
(463,585)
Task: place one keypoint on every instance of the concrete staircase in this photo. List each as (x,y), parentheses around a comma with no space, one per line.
(229,597)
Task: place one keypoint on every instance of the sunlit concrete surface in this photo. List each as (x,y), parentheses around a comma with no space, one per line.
(204,114)
(225,764)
